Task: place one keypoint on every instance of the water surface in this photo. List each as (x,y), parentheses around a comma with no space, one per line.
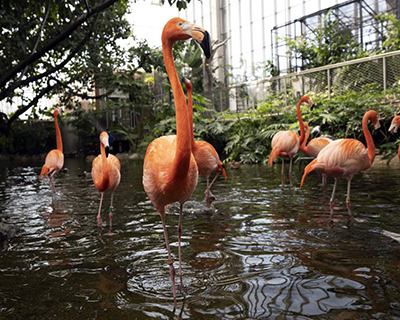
(259,252)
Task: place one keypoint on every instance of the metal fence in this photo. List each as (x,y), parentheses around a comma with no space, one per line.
(380,71)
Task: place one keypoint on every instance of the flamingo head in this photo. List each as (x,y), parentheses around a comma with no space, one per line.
(374,118)
(56,113)
(395,124)
(187,83)
(179,29)
(104,140)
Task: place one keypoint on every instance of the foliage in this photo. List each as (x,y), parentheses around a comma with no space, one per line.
(392,32)
(329,44)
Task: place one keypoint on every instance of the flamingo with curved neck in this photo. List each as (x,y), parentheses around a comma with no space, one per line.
(344,158)
(395,125)
(285,144)
(55,158)
(169,169)
(206,156)
(106,176)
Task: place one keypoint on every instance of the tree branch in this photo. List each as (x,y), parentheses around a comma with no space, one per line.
(72,27)
(17,84)
(31,104)
(38,37)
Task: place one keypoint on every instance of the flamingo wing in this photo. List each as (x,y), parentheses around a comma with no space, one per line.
(316,145)
(207,158)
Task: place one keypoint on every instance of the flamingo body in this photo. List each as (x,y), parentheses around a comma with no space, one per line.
(315,145)
(285,144)
(54,162)
(114,177)
(342,158)
(158,175)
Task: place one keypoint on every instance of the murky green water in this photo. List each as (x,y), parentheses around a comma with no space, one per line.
(259,252)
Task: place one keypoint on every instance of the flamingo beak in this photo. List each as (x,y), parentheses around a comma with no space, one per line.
(393,127)
(203,38)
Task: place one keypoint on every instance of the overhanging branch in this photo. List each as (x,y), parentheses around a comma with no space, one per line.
(72,27)
(17,84)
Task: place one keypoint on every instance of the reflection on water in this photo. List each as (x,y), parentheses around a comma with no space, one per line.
(259,252)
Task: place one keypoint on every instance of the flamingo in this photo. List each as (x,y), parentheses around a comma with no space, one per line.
(206,156)
(314,147)
(344,158)
(170,170)
(395,125)
(106,175)
(55,158)
(285,144)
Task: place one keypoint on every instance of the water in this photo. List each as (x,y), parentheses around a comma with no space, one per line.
(259,252)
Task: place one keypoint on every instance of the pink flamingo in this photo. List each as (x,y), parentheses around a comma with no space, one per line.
(314,147)
(170,170)
(395,125)
(55,158)
(206,156)
(106,175)
(344,158)
(285,144)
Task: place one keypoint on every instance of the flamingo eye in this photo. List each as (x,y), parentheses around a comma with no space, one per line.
(180,23)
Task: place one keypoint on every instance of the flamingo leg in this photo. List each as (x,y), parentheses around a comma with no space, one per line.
(179,242)
(290,171)
(348,198)
(207,192)
(324,179)
(215,178)
(98,215)
(110,215)
(53,189)
(170,261)
(282,174)
(332,197)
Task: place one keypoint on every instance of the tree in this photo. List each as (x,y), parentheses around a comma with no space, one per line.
(60,47)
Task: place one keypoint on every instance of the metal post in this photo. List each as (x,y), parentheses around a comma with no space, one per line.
(328,74)
(284,88)
(384,72)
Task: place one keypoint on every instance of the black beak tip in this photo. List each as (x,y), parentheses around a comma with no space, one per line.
(206,45)
(107,151)
(183,80)
(313,106)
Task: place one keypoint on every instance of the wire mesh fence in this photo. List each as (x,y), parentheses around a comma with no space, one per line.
(381,72)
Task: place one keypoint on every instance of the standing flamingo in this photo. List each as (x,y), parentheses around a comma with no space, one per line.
(106,175)
(314,147)
(170,170)
(344,158)
(285,144)
(395,125)
(206,156)
(55,158)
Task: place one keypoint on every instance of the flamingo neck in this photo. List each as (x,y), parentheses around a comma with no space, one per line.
(368,138)
(303,146)
(106,168)
(190,108)
(183,137)
(299,117)
(58,135)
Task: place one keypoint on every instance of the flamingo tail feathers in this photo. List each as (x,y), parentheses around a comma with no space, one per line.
(274,154)
(221,167)
(44,172)
(310,167)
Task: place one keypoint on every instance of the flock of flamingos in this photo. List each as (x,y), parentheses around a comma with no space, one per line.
(172,163)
